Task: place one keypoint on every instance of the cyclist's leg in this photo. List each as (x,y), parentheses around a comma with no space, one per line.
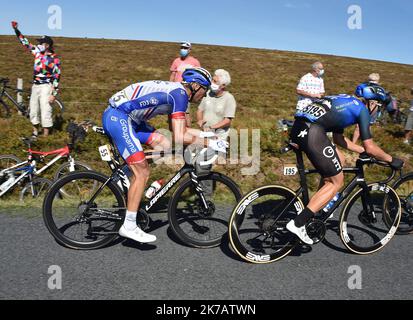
(120,128)
(313,141)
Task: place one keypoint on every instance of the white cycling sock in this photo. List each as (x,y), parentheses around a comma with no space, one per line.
(130,220)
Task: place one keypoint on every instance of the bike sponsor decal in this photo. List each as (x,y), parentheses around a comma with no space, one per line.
(344,233)
(163,191)
(246,202)
(381,187)
(298,206)
(258,258)
(328,152)
(389,236)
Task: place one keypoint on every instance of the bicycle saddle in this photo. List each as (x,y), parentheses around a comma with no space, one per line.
(27,141)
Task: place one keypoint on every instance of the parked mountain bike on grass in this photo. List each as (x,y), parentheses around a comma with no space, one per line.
(92,215)
(15,172)
(5,111)
(368,221)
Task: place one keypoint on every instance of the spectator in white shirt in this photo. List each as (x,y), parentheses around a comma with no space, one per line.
(311,86)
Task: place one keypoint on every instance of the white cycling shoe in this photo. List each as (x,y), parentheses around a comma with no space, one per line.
(299,232)
(137,235)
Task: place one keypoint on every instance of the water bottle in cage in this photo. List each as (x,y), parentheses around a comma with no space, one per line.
(154,188)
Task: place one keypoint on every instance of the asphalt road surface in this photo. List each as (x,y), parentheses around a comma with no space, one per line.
(171,271)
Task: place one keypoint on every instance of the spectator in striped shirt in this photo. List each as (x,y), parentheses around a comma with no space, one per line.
(46,81)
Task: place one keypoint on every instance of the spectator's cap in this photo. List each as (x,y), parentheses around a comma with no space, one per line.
(46,39)
(186,45)
(374,78)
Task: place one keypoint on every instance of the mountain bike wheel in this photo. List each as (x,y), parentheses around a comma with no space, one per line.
(370,219)
(7,161)
(186,214)
(404,188)
(66,168)
(76,221)
(257,228)
(4,110)
(36,189)
(58,107)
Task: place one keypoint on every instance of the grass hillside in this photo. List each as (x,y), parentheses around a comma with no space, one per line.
(264,83)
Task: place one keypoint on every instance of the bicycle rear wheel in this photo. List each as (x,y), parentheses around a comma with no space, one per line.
(257,229)
(370,219)
(65,168)
(35,190)
(404,188)
(88,215)
(187,217)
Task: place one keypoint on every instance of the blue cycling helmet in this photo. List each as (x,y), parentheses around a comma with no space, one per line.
(197,75)
(372,91)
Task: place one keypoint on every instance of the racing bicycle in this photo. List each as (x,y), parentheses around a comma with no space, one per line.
(22,108)
(90,218)
(368,220)
(15,172)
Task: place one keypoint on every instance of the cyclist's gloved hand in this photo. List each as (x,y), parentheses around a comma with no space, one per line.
(218,145)
(397,163)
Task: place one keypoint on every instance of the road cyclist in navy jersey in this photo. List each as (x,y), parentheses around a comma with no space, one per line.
(125,121)
(309,133)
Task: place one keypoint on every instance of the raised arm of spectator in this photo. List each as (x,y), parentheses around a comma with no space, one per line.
(23,40)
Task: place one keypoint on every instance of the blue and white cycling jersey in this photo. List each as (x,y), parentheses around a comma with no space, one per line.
(335,113)
(125,119)
(146,100)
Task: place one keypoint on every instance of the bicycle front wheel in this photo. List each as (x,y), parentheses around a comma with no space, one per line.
(257,229)
(191,222)
(370,219)
(88,215)
(404,188)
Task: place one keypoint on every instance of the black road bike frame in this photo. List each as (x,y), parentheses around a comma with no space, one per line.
(118,174)
(358,180)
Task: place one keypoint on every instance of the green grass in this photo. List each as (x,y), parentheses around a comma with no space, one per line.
(264,83)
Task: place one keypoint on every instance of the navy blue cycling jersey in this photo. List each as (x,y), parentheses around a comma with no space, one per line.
(335,113)
(144,101)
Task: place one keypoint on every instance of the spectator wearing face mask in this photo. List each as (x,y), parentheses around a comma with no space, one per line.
(217,110)
(46,79)
(311,86)
(179,65)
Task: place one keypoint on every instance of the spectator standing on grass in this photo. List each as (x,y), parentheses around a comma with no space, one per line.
(217,110)
(46,79)
(179,65)
(409,123)
(311,86)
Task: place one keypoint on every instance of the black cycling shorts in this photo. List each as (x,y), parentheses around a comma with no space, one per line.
(313,141)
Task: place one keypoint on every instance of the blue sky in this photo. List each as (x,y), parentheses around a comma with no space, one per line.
(318,26)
